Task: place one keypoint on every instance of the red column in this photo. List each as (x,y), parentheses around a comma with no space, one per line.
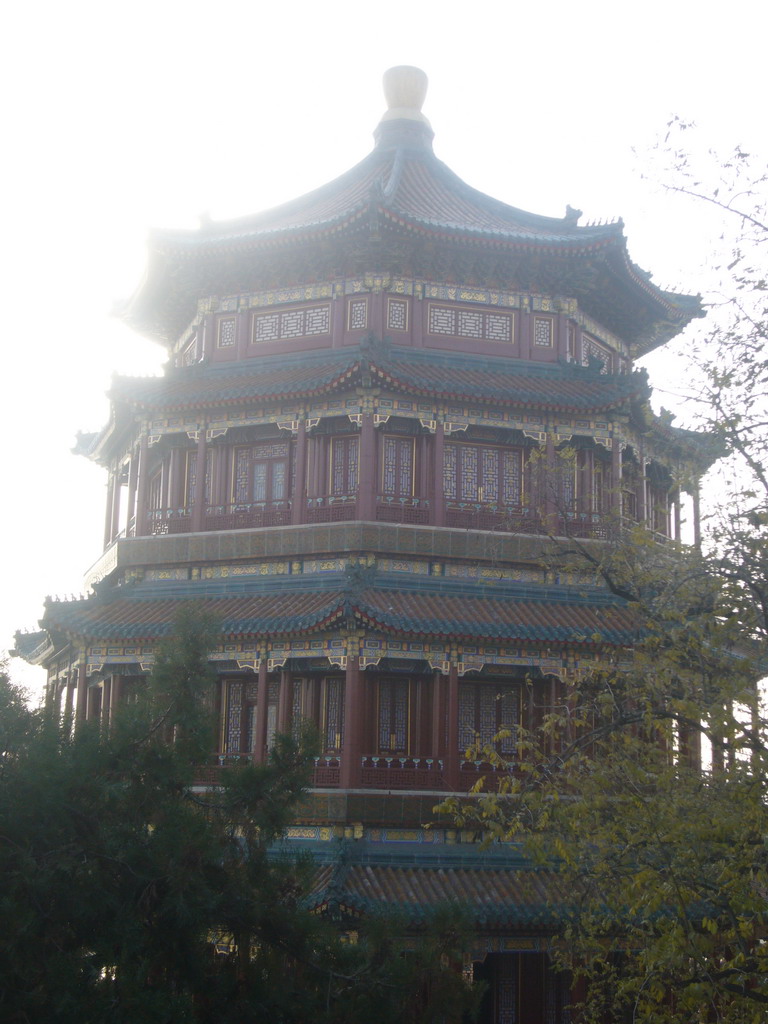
(452,752)
(438,716)
(114,698)
(696,515)
(106,703)
(549,497)
(142,487)
(130,512)
(351,752)
(299,496)
(108,510)
(68,703)
(366,491)
(616,477)
(82,692)
(438,482)
(285,703)
(262,713)
(198,506)
(116,503)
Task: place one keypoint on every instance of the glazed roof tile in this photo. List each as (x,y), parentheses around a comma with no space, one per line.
(502,380)
(437,609)
(492,896)
(401,190)
(498,888)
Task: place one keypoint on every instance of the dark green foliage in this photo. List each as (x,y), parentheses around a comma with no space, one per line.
(120,880)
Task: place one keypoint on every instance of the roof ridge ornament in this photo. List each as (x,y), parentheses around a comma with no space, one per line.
(405,88)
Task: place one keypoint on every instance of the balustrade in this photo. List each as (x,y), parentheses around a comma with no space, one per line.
(376,772)
(409,511)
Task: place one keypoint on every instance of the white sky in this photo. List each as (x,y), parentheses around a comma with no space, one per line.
(120,117)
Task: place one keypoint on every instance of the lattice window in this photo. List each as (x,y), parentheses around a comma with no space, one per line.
(393,716)
(397,315)
(260,473)
(358,315)
(234,716)
(291,323)
(189,354)
(397,467)
(344,466)
(266,327)
(507,967)
(155,495)
(227,329)
(543,331)
(485,474)
(442,320)
(333,714)
(591,349)
(498,327)
(470,323)
(190,489)
(318,320)
(484,710)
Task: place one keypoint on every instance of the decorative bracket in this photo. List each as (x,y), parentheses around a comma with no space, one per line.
(291,425)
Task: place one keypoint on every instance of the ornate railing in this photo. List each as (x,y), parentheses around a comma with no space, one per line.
(482,516)
(331,508)
(402,510)
(169,520)
(326,772)
(383,772)
(247,516)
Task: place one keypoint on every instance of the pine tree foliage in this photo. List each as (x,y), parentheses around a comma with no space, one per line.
(128,894)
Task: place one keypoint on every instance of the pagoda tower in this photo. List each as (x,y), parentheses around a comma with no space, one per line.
(382,401)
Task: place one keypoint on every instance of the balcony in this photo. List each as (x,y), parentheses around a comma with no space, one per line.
(377,771)
(402,510)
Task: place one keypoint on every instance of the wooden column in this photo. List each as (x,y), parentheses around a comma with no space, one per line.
(438,481)
(351,752)
(696,515)
(285,703)
(106,703)
(69,703)
(338,316)
(198,506)
(299,496)
(262,713)
(452,740)
(142,487)
(115,696)
(116,503)
(548,499)
(82,692)
(130,512)
(676,519)
(108,510)
(437,745)
(616,477)
(366,488)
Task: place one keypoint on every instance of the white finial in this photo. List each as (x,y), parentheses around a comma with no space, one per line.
(404,89)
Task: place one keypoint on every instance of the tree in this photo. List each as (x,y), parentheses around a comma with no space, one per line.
(666,860)
(128,894)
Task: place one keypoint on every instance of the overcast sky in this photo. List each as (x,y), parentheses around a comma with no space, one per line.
(123,117)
